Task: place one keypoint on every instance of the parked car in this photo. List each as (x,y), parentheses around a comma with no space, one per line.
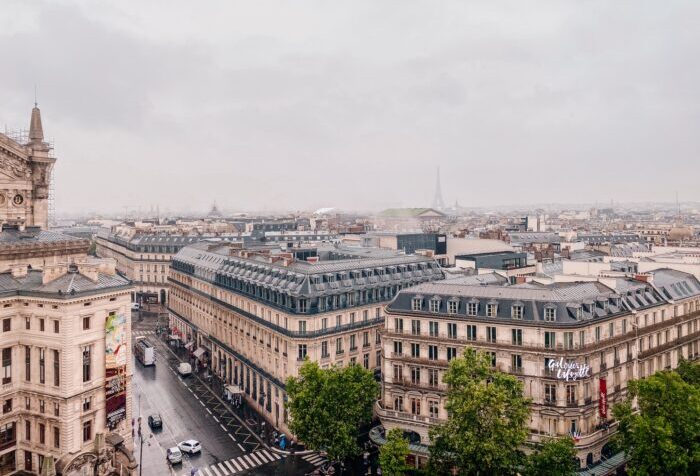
(174,455)
(155,422)
(184,369)
(135,306)
(190,446)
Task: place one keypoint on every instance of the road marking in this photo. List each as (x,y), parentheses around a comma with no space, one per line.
(231,436)
(213,468)
(254,458)
(206,470)
(243,463)
(239,445)
(222,426)
(217,420)
(209,411)
(228,465)
(223,468)
(238,466)
(252,465)
(203,404)
(269,455)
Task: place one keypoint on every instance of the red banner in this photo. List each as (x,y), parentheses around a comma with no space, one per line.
(603,399)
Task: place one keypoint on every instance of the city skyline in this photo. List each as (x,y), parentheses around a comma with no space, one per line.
(185,109)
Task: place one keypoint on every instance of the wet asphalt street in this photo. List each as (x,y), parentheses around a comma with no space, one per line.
(190,411)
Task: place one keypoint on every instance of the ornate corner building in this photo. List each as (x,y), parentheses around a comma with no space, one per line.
(65,333)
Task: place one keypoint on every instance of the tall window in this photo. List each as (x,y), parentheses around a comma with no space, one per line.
(415,350)
(56,369)
(517,336)
(56,327)
(415,375)
(472,308)
(434,305)
(27,363)
(451,330)
(42,365)
(415,406)
(398,403)
(87,364)
(568,340)
(353,343)
(398,347)
(550,340)
(451,353)
(415,327)
(56,437)
(517,362)
(471,332)
(434,328)
(571,394)
(42,433)
(398,325)
(490,334)
(433,376)
(339,345)
(432,352)
(324,348)
(6,325)
(87,431)
(550,393)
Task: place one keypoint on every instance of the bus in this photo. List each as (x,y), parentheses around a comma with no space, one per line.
(144,351)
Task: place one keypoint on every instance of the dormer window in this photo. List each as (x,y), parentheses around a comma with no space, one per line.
(434,305)
(516,311)
(472,308)
(491,309)
(578,312)
(452,306)
(416,304)
(550,313)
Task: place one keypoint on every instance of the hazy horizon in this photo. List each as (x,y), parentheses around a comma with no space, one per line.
(278,105)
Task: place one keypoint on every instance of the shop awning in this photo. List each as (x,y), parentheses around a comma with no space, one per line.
(189,345)
(233,389)
(199,352)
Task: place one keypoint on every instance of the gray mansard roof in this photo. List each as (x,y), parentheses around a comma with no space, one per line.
(572,302)
(69,284)
(339,269)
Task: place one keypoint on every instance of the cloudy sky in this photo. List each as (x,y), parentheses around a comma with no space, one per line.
(303,104)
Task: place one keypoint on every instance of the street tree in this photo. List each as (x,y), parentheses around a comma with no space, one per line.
(392,455)
(555,457)
(487,420)
(328,406)
(689,372)
(663,437)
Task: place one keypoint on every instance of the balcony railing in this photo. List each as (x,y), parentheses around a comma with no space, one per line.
(397,415)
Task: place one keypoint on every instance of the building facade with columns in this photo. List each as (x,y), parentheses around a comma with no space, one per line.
(573,345)
(254,316)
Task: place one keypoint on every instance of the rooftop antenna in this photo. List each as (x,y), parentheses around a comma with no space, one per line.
(36,103)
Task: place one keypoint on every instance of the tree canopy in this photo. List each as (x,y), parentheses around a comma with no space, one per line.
(487,423)
(555,457)
(327,407)
(663,438)
(392,455)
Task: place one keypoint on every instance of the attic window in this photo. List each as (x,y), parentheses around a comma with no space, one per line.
(491,309)
(434,305)
(550,313)
(416,304)
(516,311)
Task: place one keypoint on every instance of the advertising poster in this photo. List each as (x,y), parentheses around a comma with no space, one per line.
(115,341)
(116,352)
(603,399)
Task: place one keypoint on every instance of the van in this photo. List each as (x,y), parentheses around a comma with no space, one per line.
(184,369)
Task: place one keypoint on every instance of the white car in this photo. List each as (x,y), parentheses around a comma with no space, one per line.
(190,446)
(174,455)
(135,306)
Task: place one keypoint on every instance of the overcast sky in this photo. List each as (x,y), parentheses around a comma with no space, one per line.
(299,105)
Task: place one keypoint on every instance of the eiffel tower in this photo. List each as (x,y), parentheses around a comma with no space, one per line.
(438,202)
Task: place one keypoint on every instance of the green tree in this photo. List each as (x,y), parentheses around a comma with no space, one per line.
(392,455)
(689,372)
(663,437)
(327,407)
(555,457)
(486,427)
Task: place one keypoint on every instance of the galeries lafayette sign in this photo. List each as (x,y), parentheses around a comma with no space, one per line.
(569,370)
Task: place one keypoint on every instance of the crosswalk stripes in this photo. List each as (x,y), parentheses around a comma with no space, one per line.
(239,464)
(314,458)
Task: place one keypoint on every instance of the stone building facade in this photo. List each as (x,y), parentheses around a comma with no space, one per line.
(573,345)
(253,317)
